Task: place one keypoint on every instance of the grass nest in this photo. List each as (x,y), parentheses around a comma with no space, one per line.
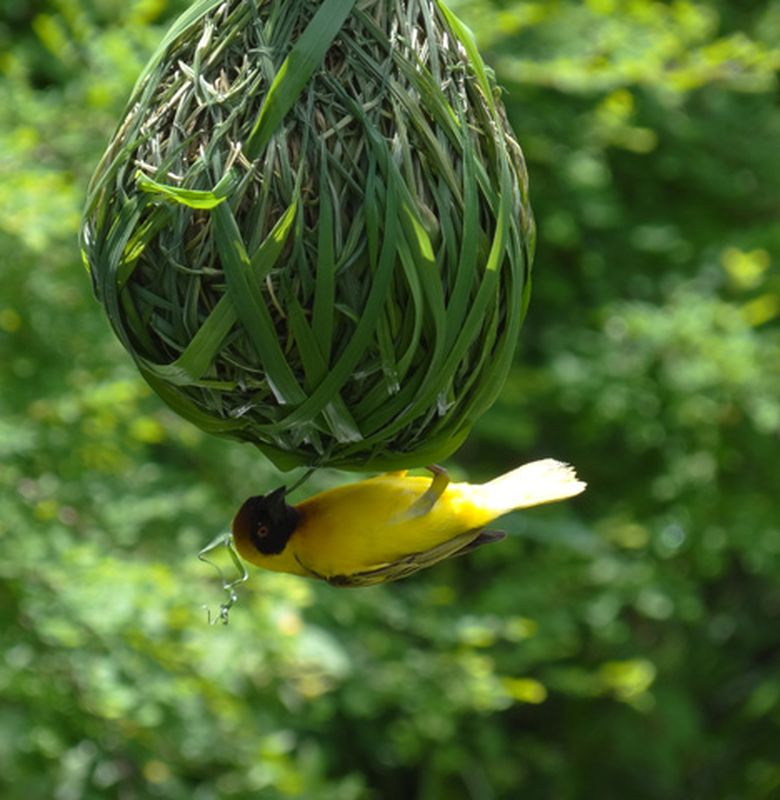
(311,229)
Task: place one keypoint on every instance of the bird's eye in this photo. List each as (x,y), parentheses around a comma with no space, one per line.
(262,531)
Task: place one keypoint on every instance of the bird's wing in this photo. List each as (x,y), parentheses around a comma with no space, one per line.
(484,537)
(408,565)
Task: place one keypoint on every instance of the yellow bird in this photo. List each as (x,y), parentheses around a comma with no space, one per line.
(391,526)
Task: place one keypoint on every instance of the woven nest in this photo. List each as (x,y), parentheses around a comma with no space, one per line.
(311,229)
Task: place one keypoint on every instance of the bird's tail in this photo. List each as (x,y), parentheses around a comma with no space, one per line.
(531,485)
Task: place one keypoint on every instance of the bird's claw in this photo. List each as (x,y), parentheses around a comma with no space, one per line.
(425,502)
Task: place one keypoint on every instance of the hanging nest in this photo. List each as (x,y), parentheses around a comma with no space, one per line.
(311,229)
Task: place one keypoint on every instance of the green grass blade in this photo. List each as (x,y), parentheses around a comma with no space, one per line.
(457,305)
(340,422)
(325,288)
(188,410)
(189,18)
(251,307)
(192,198)
(265,257)
(383,270)
(193,363)
(305,57)
(466,39)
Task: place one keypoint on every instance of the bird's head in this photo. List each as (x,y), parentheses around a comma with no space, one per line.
(265,523)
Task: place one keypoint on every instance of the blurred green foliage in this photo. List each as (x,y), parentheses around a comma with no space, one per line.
(623,645)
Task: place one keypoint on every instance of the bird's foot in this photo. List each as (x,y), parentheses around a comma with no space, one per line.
(425,502)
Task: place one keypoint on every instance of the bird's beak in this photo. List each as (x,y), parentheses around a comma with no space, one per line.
(277,495)
(281,515)
(276,504)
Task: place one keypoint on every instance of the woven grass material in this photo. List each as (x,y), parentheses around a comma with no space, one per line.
(311,229)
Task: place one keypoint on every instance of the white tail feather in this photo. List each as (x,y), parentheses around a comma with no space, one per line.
(532,484)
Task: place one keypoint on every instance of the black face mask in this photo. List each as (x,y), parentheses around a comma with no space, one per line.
(269,521)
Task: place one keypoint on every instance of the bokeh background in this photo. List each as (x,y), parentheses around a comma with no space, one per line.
(625,644)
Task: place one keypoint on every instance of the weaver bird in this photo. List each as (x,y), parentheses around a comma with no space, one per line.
(391,526)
